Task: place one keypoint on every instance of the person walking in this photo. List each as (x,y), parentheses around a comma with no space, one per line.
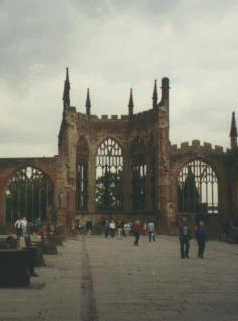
(151,228)
(184,238)
(201,236)
(18,227)
(137,231)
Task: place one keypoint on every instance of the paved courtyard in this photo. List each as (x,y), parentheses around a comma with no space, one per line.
(109,279)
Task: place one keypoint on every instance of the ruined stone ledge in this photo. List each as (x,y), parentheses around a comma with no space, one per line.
(196,145)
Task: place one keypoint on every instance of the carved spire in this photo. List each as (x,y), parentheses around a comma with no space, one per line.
(155,95)
(88,104)
(131,104)
(66,96)
(233,132)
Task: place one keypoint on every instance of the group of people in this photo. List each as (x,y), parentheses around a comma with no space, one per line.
(21,227)
(185,235)
(110,228)
(123,229)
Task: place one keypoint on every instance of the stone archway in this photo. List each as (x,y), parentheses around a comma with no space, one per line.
(29,192)
(198,189)
(109,176)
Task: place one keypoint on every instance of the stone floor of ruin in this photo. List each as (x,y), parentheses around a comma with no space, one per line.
(94,278)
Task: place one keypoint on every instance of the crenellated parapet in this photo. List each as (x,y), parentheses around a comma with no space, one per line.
(84,117)
(185,147)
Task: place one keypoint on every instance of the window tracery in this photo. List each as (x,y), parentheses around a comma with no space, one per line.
(109,170)
(82,175)
(139,173)
(29,192)
(198,188)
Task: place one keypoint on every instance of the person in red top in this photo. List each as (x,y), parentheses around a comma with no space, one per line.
(137,231)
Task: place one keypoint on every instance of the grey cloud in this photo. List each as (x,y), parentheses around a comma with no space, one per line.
(214,116)
(10,135)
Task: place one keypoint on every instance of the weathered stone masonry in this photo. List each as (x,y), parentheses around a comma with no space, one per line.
(143,139)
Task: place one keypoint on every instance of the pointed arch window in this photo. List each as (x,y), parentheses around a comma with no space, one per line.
(139,173)
(109,169)
(82,175)
(30,193)
(198,188)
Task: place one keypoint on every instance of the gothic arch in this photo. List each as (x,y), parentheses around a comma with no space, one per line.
(109,176)
(139,174)
(179,164)
(29,192)
(82,157)
(197,188)
(113,138)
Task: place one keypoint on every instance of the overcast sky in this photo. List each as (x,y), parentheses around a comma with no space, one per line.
(111,46)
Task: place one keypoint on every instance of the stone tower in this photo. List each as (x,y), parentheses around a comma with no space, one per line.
(115,165)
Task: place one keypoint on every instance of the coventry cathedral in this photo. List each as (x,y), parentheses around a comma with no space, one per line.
(122,166)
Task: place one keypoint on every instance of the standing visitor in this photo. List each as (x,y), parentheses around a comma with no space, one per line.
(24,226)
(126,229)
(38,223)
(184,238)
(119,230)
(18,227)
(122,227)
(112,227)
(137,231)
(89,227)
(106,228)
(151,228)
(201,236)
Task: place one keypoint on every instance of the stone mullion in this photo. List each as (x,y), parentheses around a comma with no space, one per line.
(127,184)
(91,183)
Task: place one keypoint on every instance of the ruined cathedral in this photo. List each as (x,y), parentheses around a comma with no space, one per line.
(122,166)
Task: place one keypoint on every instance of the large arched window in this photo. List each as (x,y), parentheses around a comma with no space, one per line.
(109,167)
(139,172)
(198,189)
(82,175)
(29,192)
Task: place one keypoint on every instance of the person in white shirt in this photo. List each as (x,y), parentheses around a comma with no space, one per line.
(112,227)
(18,227)
(24,226)
(151,229)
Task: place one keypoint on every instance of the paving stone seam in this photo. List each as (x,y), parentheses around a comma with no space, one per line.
(88,304)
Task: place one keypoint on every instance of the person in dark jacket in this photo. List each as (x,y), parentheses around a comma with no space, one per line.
(184,238)
(106,228)
(201,236)
(137,231)
(89,226)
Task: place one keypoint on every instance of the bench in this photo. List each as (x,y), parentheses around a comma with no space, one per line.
(14,267)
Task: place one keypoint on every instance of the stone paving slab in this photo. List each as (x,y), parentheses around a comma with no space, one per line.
(152,282)
(54,295)
(93,278)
